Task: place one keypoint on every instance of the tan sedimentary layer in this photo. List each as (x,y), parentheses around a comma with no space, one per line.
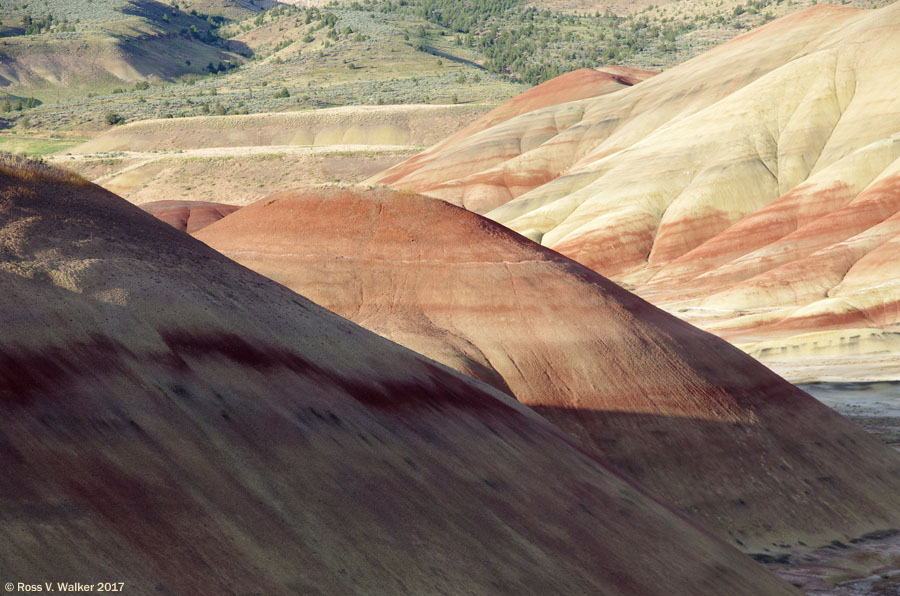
(416,125)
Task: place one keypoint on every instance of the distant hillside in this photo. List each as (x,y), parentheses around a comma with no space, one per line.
(184,158)
(343,53)
(688,7)
(289,58)
(618,7)
(61,49)
(364,125)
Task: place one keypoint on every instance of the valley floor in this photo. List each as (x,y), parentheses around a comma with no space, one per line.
(875,406)
(863,567)
(860,567)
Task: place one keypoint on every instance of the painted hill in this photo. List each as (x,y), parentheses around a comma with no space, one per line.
(188,216)
(191,427)
(693,418)
(580,84)
(748,181)
(814,273)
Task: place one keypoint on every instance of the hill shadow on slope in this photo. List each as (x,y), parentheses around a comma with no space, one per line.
(747,511)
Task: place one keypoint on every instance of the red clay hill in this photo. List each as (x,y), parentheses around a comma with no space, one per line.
(694,419)
(179,423)
(188,216)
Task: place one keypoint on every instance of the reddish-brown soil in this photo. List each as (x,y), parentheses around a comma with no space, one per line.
(188,216)
(174,421)
(694,419)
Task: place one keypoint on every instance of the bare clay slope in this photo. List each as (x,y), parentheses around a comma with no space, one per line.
(177,422)
(693,418)
(755,179)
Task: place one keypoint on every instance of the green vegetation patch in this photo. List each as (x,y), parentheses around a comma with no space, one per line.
(35,146)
